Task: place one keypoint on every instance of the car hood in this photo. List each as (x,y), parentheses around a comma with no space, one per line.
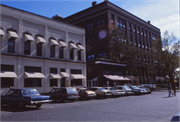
(90,92)
(106,90)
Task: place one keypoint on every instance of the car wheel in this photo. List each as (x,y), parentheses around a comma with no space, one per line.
(61,99)
(87,98)
(21,105)
(38,105)
(112,95)
(104,96)
(72,100)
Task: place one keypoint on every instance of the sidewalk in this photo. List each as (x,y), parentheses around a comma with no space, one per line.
(165,89)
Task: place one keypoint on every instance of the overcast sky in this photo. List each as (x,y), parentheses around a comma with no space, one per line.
(163,14)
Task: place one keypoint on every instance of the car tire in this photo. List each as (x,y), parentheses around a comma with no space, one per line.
(61,99)
(112,95)
(38,105)
(87,98)
(72,100)
(21,105)
(98,96)
(104,97)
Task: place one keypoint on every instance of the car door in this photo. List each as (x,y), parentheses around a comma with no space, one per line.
(13,97)
(52,93)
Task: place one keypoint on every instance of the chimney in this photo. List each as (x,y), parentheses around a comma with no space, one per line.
(57,17)
(149,22)
(94,3)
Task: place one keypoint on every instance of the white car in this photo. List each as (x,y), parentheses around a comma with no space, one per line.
(101,92)
(126,89)
(115,92)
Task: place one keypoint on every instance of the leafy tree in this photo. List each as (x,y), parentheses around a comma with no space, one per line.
(166,54)
(122,50)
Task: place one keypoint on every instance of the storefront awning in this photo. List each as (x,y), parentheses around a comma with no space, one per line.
(28,38)
(95,79)
(1,32)
(65,75)
(34,75)
(8,74)
(40,40)
(12,34)
(77,76)
(54,76)
(73,46)
(54,42)
(62,44)
(80,47)
(116,77)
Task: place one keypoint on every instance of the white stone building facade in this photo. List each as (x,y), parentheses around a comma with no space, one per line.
(39,52)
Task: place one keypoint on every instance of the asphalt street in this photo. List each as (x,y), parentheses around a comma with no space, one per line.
(154,107)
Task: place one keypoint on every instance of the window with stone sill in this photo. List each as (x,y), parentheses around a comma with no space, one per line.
(39,49)
(27,46)
(52,51)
(11,45)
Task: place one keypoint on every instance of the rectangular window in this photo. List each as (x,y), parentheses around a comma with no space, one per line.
(53,82)
(90,38)
(142,32)
(72,54)
(32,69)
(138,31)
(89,24)
(121,23)
(112,18)
(79,55)
(62,70)
(61,52)
(134,28)
(39,49)
(63,82)
(27,47)
(145,34)
(129,26)
(7,67)
(100,20)
(76,71)
(7,82)
(32,82)
(76,82)
(53,70)
(52,51)
(11,45)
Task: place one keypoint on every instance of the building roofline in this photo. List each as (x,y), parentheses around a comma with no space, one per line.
(107,2)
(41,16)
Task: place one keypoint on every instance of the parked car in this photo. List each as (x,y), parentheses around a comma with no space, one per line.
(63,93)
(126,89)
(101,92)
(85,93)
(176,118)
(147,89)
(152,87)
(138,90)
(23,97)
(115,92)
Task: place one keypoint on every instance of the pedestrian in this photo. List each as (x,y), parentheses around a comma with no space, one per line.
(169,89)
(174,89)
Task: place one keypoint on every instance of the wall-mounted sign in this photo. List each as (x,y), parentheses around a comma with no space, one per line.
(102,34)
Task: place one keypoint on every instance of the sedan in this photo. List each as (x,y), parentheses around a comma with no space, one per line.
(115,92)
(85,93)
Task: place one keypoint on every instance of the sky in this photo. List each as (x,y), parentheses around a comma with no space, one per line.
(164,14)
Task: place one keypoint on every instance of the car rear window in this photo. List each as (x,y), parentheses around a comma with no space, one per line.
(71,90)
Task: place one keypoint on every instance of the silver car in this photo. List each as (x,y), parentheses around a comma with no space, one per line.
(115,92)
(126,89)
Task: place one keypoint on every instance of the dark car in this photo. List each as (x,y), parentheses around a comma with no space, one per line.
(176,118)
(63,93)
(135,89)
(23,97)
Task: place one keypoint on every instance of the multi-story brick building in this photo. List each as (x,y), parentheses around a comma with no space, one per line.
(98,20)
(39,52)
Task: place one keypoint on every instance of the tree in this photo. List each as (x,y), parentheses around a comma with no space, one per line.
(122,50)
(166,53)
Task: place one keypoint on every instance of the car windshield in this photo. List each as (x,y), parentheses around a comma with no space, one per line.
(127,88)
(135,87)
(34,91)
(71,90)
(102,89)
(113,89)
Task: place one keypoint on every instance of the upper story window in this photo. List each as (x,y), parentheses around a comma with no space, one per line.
(129,26)
(52,51)
(27,47)
(89,24)
(112,18)
(79,55)
(39,49)
(134,29)
(145,34)
(138,30)
(142,32)
(121,23)
(90,38)
(40,42)
(11,40)
(72,54)
(100,20)
(54,43)
(80,49)
(153,37)
(149,36)
(61,52)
